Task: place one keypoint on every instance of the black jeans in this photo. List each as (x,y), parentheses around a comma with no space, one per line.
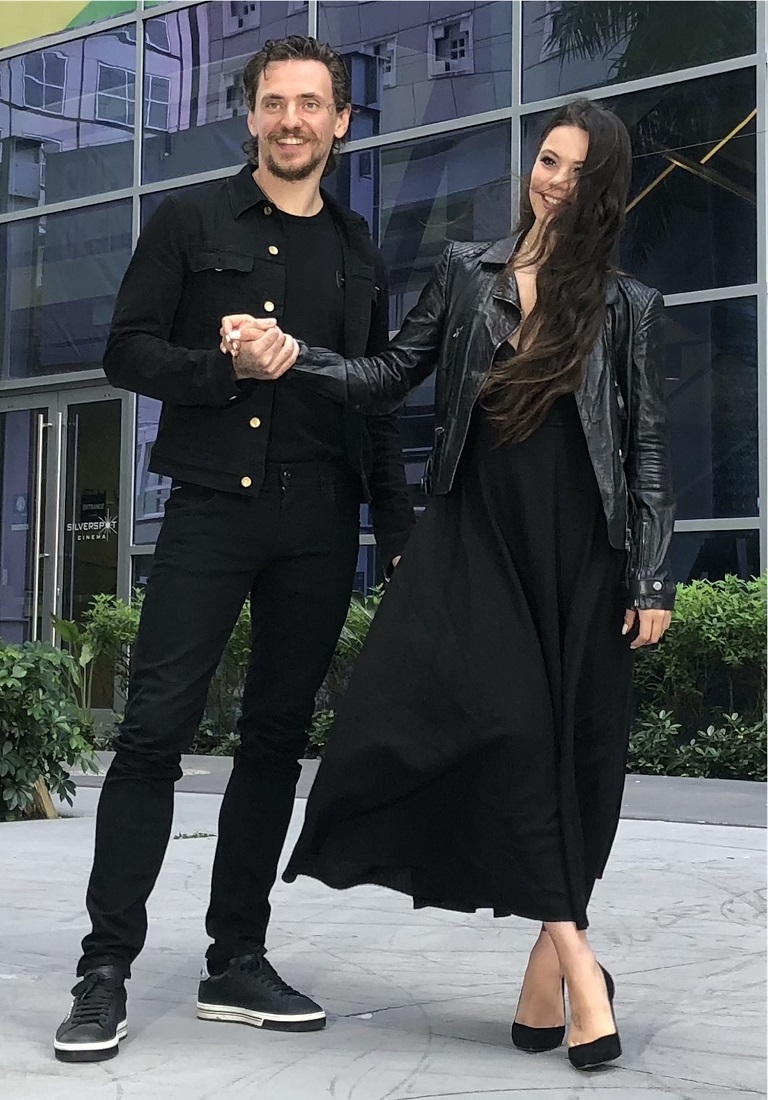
(293,550)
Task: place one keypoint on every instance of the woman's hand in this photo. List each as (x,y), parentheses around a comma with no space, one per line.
(652,626)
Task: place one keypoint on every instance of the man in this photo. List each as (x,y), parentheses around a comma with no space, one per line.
(267,481)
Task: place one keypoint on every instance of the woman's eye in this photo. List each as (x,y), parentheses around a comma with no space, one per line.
(548,161)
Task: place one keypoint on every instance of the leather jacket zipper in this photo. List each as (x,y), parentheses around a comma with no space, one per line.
(472,406)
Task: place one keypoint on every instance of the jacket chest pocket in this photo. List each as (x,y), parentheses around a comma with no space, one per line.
(220,262)
(222,282)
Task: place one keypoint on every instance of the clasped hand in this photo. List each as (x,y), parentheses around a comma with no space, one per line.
(258,346)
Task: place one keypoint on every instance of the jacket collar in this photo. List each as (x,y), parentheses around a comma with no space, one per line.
(245,193)
(502,252)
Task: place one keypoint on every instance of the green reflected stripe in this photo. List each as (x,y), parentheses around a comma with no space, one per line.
(97,10)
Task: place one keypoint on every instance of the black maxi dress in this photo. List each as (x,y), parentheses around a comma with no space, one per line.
(477,759)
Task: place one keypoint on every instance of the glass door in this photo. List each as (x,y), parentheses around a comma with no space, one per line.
(90,502)
(59,507)
(24,461)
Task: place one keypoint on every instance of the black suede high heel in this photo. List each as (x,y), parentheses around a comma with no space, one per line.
(538,1039)
(602,1050)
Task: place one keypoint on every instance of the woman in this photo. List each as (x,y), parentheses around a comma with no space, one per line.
(477,759)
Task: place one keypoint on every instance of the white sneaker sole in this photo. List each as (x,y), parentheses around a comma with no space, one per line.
(229,1014)
(61,1045)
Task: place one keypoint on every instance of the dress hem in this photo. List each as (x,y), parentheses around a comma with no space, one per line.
(393,879)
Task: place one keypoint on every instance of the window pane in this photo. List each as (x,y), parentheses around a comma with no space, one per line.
(419,195)
(713,408)
(207,52)
(151,490)
(141,568)
(59,275)
(419,63)
(692,221)
(571,46)
(110,108)
(709,555)
(112,79)
(56,144)
(416,197)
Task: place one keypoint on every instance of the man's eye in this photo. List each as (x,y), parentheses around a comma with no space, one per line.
(272,105)
(311,105)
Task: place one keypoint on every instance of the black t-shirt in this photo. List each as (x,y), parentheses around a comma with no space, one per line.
(306,426)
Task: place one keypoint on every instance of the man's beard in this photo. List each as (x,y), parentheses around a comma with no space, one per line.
(291,174)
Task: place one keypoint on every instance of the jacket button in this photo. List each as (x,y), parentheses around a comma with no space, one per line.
(273,250)
(269,307)
(657,586)
(267,209)
(255,422)
(246,482)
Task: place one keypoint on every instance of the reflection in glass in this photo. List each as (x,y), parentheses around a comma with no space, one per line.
(413,64)
(66,120)
(710,555)
(416,197)
(141,568)
(151,490)
(568,47)
(59,275)
(194,58)
(91,518)
(711,375)
(692,216)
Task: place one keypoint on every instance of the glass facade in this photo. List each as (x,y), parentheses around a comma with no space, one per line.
(102,121)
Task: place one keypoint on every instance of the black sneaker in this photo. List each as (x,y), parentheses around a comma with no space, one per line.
(252,992)
(96,1022)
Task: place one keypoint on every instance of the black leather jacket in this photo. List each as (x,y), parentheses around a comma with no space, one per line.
(463,316)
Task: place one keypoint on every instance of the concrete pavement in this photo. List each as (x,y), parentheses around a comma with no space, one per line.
(419,1002)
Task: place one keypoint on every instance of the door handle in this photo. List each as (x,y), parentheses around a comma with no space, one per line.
(55,543)
(42,424)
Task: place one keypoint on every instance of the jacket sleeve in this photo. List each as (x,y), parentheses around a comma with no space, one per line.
(140,355)
(390,505)
(649,480)
(380,382)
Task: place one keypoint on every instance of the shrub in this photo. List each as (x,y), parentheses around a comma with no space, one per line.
(105,636)
(318,733)
(729,748)
(41,736)
(653,743)
(712,659)
(733,749)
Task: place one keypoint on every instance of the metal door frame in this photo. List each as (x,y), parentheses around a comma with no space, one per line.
(47,541)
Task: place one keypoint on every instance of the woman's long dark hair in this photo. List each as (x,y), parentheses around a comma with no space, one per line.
(577,252)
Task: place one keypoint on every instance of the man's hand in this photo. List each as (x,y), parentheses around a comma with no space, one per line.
(259,348)
(652,626)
